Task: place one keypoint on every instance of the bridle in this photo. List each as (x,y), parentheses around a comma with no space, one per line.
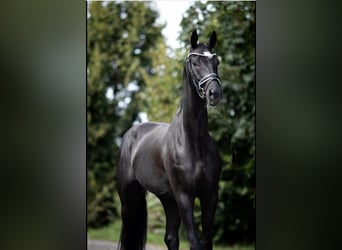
(203,84)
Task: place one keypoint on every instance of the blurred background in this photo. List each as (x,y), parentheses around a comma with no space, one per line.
(134,74)
(43,120)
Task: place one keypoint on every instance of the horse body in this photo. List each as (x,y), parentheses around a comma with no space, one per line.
(144,143)
(177,162)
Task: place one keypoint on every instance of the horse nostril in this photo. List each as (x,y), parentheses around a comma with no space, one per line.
(213,94)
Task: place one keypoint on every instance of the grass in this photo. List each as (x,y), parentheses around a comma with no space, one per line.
(112,233)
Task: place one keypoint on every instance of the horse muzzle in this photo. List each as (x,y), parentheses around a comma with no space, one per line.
(214,93)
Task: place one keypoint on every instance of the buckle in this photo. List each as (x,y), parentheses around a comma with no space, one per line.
(202,92)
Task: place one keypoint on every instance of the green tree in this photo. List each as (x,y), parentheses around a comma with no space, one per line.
(232,123)
(163,87)
(121,36)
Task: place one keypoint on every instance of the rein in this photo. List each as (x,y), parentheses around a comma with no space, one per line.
(206,80)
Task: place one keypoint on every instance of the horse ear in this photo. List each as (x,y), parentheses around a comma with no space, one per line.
(194,39)
(212,40)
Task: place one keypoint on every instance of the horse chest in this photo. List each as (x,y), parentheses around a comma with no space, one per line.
(192,169)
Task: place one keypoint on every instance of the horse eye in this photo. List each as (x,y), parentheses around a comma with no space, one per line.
(217,61)
(196,63)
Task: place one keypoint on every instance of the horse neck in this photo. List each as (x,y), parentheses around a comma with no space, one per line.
(193,111)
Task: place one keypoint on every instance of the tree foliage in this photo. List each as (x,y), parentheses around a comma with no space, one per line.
(163,86)
(121,38)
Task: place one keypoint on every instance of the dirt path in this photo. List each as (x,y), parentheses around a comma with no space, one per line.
(107,245)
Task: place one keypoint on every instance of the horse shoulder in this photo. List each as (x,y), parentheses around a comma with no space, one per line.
(150,140)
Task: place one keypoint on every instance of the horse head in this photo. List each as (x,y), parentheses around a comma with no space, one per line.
(202,65)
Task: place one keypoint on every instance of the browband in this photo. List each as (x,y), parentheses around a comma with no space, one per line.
(206,54)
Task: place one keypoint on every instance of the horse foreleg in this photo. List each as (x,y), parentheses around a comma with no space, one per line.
(186,207)
(208,208)
(172,224)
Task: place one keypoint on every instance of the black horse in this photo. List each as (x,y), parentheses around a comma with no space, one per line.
(177,162)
